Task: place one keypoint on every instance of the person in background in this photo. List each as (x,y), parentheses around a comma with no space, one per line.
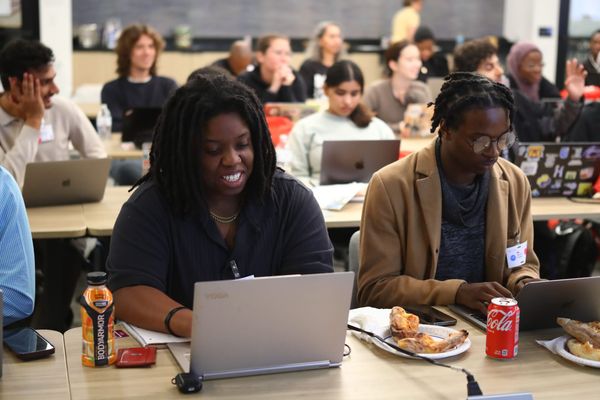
(137,86)
(406,21)
(480,56)
(437,226)
(17,266)
(537,119)
(434,61)
(212,206)
(323,50)
(273,79)
(37,126)
(389,98)
(34,124)
(587,126)
(592,62)
(240,57)
(345,119)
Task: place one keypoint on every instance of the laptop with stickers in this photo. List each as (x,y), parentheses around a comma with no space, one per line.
(559,169)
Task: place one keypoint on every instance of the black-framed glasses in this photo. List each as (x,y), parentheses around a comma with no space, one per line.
(505,141)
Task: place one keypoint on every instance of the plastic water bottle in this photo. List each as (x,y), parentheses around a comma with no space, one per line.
(104,123)
(97,322)
(284,156)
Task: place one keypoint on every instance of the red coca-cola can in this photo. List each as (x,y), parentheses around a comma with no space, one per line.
(502,340)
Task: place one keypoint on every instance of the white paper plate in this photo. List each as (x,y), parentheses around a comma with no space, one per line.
(433,330)
(560,347)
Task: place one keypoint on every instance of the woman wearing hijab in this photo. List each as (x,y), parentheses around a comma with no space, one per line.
(536,119)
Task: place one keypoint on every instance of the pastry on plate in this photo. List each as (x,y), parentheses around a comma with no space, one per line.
(404,327)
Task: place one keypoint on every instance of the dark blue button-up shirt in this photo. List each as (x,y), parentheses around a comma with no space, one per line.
(152,246)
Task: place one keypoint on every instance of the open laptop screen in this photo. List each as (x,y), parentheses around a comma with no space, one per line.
(559,169)
(345,161)
(138,124)
(271,324)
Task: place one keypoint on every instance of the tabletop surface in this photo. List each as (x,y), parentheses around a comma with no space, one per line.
(368,372)
(98,219)
(45,378)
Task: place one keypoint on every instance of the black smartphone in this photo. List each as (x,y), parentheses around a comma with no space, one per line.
(27,344)
(431,316)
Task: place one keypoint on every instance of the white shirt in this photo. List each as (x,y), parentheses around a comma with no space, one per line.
(307,137)
(64,122)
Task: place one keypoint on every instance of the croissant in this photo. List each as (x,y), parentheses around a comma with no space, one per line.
(405,330)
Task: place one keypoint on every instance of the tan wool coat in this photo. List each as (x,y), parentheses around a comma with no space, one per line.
(401,232)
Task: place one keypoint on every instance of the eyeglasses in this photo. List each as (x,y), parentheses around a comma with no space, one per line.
(482,143)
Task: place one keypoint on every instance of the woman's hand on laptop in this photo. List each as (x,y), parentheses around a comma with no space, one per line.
(478,295)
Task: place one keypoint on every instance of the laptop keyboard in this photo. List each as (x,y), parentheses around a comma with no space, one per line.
(480,317)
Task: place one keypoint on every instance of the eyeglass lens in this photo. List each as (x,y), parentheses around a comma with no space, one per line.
(503,142)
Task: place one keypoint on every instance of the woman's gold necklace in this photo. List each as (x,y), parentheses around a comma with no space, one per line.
(224,220)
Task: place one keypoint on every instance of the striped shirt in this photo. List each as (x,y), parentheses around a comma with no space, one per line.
(17,267)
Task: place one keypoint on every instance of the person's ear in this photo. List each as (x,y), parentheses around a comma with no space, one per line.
(260,57)
(393,65)
(444,130)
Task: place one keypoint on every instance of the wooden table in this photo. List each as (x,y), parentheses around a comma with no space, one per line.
(368,373)
(562,207)
(56,222)
(100,217)
(38,379)
(118,150)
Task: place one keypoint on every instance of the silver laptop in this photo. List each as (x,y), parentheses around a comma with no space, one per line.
(51,183)
(543,301)
(267,325)
(345,161)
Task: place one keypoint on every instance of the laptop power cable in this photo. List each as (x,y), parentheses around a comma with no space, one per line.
(472,385)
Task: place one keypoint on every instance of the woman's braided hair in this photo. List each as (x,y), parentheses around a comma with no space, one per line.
(175,152)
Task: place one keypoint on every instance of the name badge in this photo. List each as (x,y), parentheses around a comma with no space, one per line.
(46,133)
(516,255)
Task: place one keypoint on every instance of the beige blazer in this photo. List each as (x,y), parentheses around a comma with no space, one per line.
(401,232)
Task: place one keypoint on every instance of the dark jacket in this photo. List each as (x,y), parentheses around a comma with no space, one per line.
(296,93)
(587,126)
(544,120)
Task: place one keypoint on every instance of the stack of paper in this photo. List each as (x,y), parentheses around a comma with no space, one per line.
(146,337)
(335,197)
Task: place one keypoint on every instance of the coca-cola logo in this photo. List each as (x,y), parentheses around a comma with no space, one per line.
(498,320)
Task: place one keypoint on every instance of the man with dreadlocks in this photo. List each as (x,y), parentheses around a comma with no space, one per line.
(212,206)
(442,225)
